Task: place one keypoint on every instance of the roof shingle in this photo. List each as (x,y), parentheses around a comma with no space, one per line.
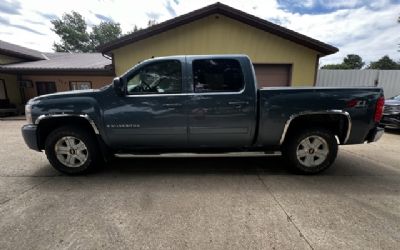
(55,62)
(19,51)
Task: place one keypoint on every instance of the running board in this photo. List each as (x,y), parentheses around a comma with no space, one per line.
(194,155)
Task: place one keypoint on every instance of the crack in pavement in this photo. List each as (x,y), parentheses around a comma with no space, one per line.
(25,191)
(289,218)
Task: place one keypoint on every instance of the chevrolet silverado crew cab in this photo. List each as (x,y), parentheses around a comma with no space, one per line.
(200,104)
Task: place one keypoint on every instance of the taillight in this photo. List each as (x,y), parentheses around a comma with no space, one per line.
(379,109)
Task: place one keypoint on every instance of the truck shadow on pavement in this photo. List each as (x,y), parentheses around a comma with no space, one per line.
(347,164)
(197,165)
(392,131)
(349,174)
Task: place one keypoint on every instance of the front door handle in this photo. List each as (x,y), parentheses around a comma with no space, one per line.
(172,105)
(238,103)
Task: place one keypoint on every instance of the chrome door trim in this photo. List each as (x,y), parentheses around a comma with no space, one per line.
(323,112)
(85,116)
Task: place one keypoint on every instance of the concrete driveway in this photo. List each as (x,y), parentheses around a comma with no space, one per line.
(200,203)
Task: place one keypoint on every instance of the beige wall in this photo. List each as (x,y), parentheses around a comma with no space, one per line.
(62,82)
(13,92)
(222,36)
(8,59)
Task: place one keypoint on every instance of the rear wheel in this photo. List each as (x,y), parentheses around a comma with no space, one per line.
(311,151)
(72,150)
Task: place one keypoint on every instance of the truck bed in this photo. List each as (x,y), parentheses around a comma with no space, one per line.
(278,107)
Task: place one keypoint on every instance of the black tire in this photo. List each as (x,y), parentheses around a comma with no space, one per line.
(92,151)
(294,143)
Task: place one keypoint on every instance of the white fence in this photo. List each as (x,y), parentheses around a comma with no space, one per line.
(389,80)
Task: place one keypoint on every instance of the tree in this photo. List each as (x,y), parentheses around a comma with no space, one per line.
(103,33)
(351,61)
(135,28)
(71,28)
(384,63)
(151,22)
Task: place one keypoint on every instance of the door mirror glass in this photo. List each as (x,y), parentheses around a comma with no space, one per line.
(118,86)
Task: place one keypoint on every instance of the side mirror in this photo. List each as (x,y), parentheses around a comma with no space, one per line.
(118,86)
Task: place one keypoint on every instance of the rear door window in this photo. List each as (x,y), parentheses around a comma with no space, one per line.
(217,75)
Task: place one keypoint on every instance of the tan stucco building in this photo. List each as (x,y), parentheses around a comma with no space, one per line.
(282,57)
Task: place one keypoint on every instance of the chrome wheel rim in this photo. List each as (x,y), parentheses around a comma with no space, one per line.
(312,151)
(71,151)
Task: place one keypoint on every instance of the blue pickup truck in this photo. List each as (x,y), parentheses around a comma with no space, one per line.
(200,104)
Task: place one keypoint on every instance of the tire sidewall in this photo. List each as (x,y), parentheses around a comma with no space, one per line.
(290,151)
(82,135)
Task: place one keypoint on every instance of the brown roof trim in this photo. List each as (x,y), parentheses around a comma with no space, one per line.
(218,8)
(44,71)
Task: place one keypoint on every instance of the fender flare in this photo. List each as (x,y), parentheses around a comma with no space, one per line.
(322,112)
(84,116)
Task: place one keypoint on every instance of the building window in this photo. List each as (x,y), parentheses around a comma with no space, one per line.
(44,88)
(164,77)
(217,75)
(80,85)
(3,90)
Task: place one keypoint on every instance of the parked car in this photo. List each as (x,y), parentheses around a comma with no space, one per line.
(201,104)
(391,113)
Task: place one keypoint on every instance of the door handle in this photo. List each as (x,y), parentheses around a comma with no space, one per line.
(238,103)
(172,105)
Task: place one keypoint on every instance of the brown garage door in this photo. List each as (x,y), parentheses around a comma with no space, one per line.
(273,75)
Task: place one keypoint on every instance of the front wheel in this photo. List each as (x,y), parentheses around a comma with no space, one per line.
(72,150)
(311,151)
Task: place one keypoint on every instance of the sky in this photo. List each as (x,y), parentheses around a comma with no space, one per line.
(368,28)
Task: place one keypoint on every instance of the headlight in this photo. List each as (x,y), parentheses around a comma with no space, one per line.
(28,113)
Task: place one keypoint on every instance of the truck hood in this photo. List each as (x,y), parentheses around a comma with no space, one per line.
(58,95)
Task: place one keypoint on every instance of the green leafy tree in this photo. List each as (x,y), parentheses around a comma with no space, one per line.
(151,22)
(103,33)
(351,61)
(135,28)
(384,63)
(71,29)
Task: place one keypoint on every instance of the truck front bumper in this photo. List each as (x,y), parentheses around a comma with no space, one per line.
(375,134)
(29,132)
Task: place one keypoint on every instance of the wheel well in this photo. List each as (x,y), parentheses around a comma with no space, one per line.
(46,126)
(338,124)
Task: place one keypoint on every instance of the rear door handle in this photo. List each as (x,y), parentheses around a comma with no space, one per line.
(238,103)
(172,105)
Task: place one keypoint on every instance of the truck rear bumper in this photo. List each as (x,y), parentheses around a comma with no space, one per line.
(375,134)
(29,132)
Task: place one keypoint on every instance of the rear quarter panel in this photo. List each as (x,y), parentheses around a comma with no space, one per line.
(278,104)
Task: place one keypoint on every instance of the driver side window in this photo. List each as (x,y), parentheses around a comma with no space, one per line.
(163,77)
